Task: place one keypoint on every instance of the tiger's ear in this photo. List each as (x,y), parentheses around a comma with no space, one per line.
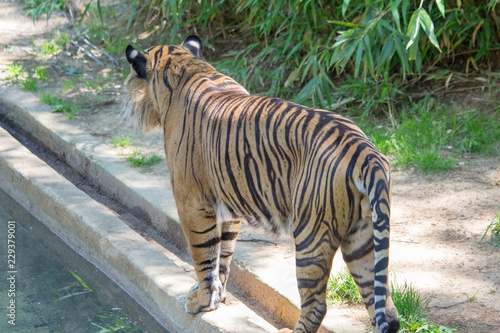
(137,60)
(194,45)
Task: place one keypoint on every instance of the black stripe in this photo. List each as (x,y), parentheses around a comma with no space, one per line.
(209,243)
(204,231)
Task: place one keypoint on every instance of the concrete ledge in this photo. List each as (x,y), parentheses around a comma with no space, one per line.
(264,273)
(157,283)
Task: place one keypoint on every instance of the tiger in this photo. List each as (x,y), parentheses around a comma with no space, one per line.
(288,168)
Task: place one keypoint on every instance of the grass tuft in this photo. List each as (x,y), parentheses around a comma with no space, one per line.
(143,161)
(494,230)
(412,308)
(411,305)
(58,105)
(15,72)
(408,300)
(342,288)
(124,141)
(29,84)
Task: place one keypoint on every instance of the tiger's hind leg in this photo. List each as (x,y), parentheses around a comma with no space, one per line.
(203,235)
(358,252)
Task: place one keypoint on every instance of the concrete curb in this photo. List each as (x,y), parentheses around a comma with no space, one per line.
(269,279)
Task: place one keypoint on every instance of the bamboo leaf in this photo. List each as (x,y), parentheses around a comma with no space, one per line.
(346,24)
(440,4)
(359,55)
(413,29)
(386,54)
(345,4)
(428,26)
(395,13)
(100,11)
(404,10)
(368,54)
(134,8)
(83,14)
(487,30)
(482,52)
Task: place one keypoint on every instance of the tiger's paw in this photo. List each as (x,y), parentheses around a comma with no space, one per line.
(205,302)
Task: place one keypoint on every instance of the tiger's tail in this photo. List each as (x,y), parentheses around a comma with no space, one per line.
(379,196)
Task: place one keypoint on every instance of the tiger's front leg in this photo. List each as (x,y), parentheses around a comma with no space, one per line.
(211,241)
(203,235)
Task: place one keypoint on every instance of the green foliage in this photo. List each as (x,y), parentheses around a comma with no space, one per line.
(58,105)
(68,84)
(112,40)
(124,141)
(431,137)
(50,48)
(29,84)
(408,300)
(70,290)
(144,161)
(412,307)
(15,72)
(41,73)
(342,288)
(494,230)
(56,44)
(292,48)
(97,84)
(36,8)
(421,325)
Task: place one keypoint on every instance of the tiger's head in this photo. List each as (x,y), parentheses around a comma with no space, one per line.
(154,78)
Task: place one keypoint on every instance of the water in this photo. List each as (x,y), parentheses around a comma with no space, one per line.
(51,288)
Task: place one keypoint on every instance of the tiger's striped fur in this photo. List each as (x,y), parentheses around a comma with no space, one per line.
(233,156)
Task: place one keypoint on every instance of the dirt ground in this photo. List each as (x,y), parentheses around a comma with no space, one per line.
(437,223)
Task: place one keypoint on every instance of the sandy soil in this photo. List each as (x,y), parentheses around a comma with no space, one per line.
(438,220)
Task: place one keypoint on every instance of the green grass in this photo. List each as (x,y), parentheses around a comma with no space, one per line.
(29,84)
(408,300)
(137,159)
(124,141)
(50,47)
(68,84)
(421,325)
(412,308)
(434,138)
(113,41)
(411,305)
(36,8)
(15,72)
(342,288)
(58,105)
(70,290)
(494,230)
(41,72)
(56,44)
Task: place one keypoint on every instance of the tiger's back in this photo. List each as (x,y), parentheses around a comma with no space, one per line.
(276,164)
